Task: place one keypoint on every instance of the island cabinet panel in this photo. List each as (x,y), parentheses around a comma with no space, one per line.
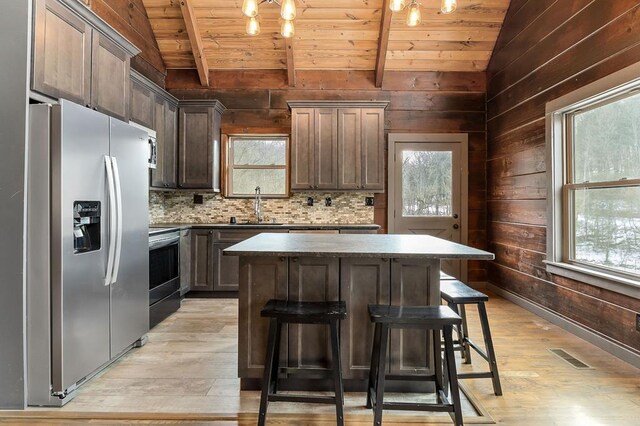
(263,278)
(201,260)
(61,53)
(110,78)
(326,149)
(415,283)
(312,279)
(349,154)
(302,151)
(226,269)
(363,281)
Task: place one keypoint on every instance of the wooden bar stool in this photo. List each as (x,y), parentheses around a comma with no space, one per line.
(285,312)
(458,295)
(438,319)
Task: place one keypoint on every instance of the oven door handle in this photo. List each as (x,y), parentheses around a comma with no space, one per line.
(163,243)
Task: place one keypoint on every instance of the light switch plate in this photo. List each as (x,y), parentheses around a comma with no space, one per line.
(368,201)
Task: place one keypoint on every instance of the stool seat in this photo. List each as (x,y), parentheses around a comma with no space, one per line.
(458,292)
(304,312)
(433,315)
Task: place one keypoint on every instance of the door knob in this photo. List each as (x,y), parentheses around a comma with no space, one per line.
(456,226)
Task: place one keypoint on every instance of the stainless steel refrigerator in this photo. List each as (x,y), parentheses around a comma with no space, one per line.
(87,248)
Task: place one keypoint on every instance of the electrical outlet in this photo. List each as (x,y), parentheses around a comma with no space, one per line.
(368,201)
(327,201)
(310,201)
(198,199)
(638,322)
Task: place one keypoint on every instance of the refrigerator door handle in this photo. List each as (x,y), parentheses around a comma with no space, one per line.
(112,220)
(116,266)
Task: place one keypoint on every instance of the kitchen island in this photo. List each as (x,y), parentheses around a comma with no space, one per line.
(357,269)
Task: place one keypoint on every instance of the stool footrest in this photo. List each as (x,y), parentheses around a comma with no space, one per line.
(417,378)
(322,373)
(410,406)
(318,399)
(485,375)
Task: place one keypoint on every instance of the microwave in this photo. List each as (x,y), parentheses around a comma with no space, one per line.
(153,145)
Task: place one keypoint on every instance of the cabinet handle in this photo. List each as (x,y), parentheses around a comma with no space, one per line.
(294,259)
(88,105)
(317,186)
(384,259)
(456,226)
(310,186)
(396,260)
(95,108)
(210,232)
(282,259)
(363,186)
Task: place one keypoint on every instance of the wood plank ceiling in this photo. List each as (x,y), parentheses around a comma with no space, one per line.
(330,34)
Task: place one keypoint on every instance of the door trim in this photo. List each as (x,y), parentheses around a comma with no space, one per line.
(463,140)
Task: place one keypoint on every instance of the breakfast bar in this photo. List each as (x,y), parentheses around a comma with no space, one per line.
(361,269)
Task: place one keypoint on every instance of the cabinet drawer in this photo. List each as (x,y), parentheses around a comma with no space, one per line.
(237,235)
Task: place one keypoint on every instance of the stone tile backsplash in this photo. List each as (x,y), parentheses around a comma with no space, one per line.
(178,207)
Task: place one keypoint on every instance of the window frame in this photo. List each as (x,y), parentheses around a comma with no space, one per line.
(559,118)
(229,167)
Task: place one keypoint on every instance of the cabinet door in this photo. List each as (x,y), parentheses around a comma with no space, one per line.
(261,279)
(109,78)
(201,260)
(349,145)
(196,148)
(326,148)
(372,149)
(61,62)
(414,282)
(158,174)
(170,141)
(141,105)
(362,282)
(302,149)
(311,279)
(226,275)
(185,261)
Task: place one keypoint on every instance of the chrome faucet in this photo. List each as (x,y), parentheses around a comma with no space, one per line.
(257,205)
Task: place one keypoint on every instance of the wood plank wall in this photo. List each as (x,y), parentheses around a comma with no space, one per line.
(129,18)
(546,49)
(419,102)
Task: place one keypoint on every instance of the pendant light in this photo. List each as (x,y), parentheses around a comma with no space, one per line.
(413,16)
(397,5)
(253,26)
(250,8)
(449,6)
(288,10)
(287,30)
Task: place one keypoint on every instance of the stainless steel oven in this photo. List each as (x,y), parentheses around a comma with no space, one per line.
(164,274)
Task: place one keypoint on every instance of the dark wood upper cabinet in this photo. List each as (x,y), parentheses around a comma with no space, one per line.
(156,109)
(109,77)
(337,145)
(141,106)
(303,150)
(61,61)
(199,144)
(79,57)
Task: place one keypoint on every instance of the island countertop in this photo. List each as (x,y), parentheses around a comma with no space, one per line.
(364,245)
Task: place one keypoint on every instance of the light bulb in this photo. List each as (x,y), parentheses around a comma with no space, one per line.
(449,6)
(397,5)
(288,10)
(414,17)
(288,29)
(253,26)
(250,8)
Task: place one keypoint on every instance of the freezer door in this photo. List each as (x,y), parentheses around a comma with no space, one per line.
(130,286)
(79,297)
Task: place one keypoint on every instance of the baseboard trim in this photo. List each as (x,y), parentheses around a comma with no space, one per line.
(570,326)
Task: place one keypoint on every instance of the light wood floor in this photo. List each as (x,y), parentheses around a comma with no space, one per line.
(188,371)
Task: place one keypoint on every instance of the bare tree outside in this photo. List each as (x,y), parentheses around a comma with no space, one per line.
(426,183)
(259,162)
(606,221)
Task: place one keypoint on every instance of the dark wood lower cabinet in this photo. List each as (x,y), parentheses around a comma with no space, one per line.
(226,273)
(263,278)
(357,281)
(201,260)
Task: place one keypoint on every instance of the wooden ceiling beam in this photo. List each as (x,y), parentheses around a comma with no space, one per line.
(291,66)
(195,39)
(383,42)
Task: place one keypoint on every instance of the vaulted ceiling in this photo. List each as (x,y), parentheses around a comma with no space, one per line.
(330,34)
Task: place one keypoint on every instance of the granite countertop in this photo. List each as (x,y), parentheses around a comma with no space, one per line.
(303,226)
(355,245)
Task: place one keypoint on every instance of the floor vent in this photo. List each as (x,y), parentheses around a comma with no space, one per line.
(575,362)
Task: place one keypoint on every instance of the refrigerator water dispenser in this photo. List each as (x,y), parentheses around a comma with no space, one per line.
(86,226)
